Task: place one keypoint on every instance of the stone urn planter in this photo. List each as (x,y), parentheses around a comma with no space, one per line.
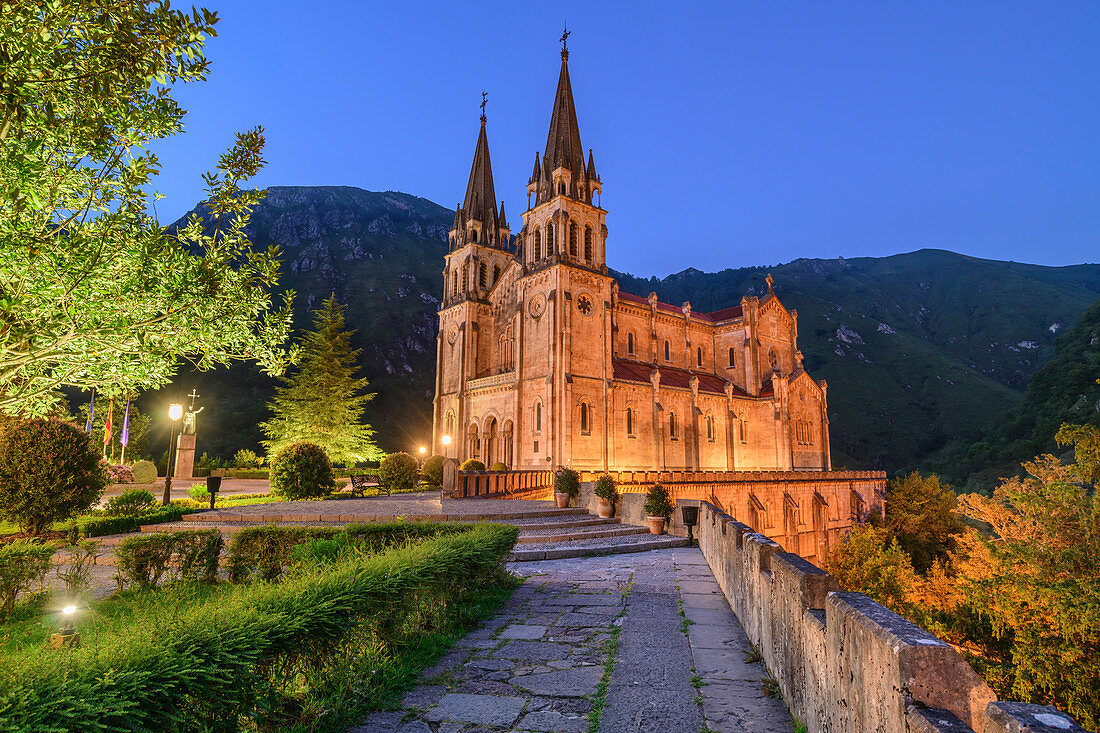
(605,509)
(656,525)
(561,499)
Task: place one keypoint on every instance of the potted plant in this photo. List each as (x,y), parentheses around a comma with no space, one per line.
(567,484)
(605,492)
(658,508)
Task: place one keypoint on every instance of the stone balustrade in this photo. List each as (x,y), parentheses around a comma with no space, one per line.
(843,662)
(502,484)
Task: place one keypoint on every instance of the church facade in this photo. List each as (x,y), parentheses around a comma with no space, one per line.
(544,362)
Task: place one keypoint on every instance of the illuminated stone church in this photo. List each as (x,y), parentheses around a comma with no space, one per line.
(543,362)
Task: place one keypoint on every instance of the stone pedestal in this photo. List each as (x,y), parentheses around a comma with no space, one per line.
(185,456)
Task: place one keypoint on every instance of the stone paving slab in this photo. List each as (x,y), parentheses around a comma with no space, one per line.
(535,666)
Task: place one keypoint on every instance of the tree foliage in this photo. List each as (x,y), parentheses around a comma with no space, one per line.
(920,515)
(93,291)
(322,401)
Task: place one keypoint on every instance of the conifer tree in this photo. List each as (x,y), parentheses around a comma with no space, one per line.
(323,401)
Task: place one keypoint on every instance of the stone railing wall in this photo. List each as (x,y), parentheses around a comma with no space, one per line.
(844,663)
(500,484)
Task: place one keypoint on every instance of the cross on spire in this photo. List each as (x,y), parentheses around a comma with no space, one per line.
(770,281)
(484,100)
(564,38)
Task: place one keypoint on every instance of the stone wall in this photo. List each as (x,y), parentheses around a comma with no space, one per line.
(844,663)
(804,511)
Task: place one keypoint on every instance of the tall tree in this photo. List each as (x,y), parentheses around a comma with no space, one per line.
(920,513)
(93,291)
(323,401)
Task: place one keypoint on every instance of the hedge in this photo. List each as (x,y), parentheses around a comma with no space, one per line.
(205,666)
(264,552)
(142,560)
(100,526)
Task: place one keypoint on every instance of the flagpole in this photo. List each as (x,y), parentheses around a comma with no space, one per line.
(124,436)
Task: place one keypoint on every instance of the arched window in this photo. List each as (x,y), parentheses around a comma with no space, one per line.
(465,278)
(538,416)
(710,428)
(454,283)
(538,245)
(668,351)
(586,418)
(473,236)
(731,358)
(630,342)
(743,430)
(672,425)
(496,274)
(483,276)
(549,238)
(629,421)
(699,355)
(588,244)
(450,423)
(572,238)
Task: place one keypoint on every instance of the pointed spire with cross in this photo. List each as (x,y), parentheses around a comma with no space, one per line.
(770,281)
(564,41)
(484,101)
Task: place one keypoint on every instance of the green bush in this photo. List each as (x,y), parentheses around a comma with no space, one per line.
(398,472)
(100,526)
(433,470)
(239,654)
(253,473)
(567,481)
(657,502)
(49,471)
(142,560)
(199,492)
(266,552)
(130,503)
(23,563)
(472,464)
(498,466)
(247,459)
(301,471)
(605,487)
(145,472)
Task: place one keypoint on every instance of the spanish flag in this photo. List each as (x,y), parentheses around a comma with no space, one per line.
(107,428)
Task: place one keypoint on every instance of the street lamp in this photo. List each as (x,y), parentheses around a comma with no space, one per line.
(423,450)
(174,412)
(446,439)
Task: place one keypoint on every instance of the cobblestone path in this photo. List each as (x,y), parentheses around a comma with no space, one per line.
(541,664)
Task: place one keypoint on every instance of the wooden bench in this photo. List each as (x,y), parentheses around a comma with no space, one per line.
(359,485)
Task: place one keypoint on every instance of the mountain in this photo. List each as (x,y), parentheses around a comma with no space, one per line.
(925,352)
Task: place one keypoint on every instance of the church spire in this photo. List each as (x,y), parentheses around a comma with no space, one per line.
(563,141)
(479,221)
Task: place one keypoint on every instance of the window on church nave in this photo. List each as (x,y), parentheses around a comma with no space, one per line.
(672,425)
(629,421)
(731,358)
(699,355)
(538,416)
(630,343)
(742,430)
(710,428)
(668,351)
(586,418)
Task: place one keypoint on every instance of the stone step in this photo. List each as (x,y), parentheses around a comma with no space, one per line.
(589,548)
(586,533)
(551,525)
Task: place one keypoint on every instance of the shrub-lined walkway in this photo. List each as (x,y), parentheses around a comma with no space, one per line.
(598,639)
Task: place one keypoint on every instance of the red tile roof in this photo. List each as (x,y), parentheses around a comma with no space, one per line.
(636,371)
(726,314)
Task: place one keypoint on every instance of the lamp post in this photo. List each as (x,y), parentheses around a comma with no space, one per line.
(422,450)
(174,412)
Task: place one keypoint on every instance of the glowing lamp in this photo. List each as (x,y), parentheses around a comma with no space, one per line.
(446,440)
(69,610)
(175,411)
(423,450)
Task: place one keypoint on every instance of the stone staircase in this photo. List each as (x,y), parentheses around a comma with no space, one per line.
(545,534)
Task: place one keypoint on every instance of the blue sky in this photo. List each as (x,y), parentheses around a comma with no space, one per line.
(726,134)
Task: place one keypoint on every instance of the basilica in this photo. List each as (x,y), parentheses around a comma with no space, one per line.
(544,362)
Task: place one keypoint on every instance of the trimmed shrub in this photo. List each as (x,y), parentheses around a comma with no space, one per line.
(472,464)
(567,481)
(143,560)
(76,574)
(247,459)
(145,472)
(498,466)
(233,655)
(100,526)
(130,503)
(23,563)
(251,473)
(605,487)
(199,492)
(398,472)
(433,470)
(657,502)
(301,471)
(49,472)
(266,552)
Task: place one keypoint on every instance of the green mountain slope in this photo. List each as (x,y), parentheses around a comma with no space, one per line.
(924,352)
